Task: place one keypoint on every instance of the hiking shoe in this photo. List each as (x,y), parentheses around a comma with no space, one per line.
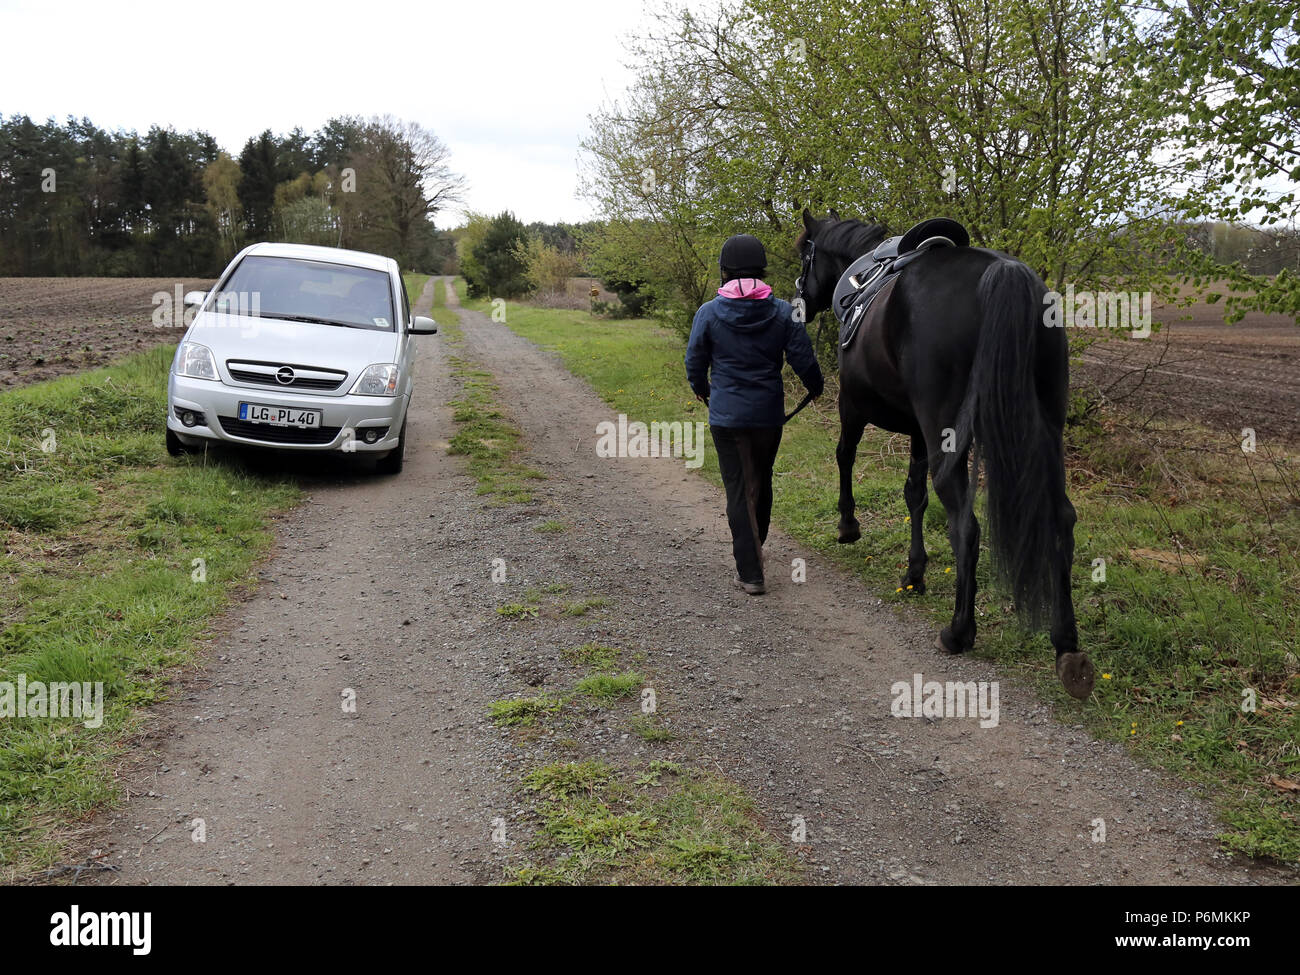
(751,588)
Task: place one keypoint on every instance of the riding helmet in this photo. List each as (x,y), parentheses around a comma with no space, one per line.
(743,256)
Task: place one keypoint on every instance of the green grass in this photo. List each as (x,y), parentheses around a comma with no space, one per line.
(443,315)
(594,656)
(414,284)
(484,434)
(610,687)
(523,710)
(659,823)
(102,534)
(602,820)
(551,526)
(1174,650)
(647,728)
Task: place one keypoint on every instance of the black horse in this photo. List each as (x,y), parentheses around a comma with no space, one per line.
(955,354)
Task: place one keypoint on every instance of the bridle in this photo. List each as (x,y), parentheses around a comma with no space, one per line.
(805,269)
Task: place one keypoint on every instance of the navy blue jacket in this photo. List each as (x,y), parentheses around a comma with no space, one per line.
(745,342)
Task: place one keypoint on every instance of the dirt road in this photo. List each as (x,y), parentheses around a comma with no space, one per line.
(383,586)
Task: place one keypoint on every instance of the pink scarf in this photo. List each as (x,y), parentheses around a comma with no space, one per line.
(745,288)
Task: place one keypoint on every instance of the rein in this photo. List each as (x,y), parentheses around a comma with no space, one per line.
(809,252)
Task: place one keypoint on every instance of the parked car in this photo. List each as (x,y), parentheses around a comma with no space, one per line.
(298,348)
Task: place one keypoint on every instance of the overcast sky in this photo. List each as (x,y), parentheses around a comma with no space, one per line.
(507,85)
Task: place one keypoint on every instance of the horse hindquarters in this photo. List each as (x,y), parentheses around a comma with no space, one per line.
(1014,410)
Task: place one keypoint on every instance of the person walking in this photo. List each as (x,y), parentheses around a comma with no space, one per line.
(738,346)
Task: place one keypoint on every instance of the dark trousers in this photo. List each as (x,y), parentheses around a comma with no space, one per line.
(746,456)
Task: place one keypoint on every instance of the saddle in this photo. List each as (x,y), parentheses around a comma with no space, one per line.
(864,279)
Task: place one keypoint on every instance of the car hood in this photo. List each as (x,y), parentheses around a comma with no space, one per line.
(295,343)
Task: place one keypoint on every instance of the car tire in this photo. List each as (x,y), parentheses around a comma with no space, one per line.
(391,462)
(174,445)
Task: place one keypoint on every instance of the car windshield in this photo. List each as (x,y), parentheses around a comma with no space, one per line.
(313,291)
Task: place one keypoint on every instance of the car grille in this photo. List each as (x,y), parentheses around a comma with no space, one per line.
(270,434)
(305,377)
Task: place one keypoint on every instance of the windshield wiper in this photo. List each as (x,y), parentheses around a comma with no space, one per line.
(313,321)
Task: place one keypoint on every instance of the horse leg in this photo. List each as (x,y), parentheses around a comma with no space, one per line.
(1072,667)
(954,489)
(846,452)
(917,494)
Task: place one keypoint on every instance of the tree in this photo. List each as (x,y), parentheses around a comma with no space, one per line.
(257,163)
(489,256)
(403,181)
(1233,64)
(547,267)
(1022,119)
(221,191)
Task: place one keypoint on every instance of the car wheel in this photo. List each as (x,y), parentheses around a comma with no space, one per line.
(391,462)
(174,445)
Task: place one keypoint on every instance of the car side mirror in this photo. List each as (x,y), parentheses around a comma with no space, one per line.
(422,326)
(194,298)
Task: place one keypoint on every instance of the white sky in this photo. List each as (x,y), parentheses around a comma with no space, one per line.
(507,85)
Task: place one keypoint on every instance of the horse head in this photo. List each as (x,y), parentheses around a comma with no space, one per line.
(827,246)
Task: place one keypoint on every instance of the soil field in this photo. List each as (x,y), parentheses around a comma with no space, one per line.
(1227,377)
(53,326)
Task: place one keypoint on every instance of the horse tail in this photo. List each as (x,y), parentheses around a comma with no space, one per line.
(1002,416)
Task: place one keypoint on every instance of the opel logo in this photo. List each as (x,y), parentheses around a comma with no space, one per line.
(285,376)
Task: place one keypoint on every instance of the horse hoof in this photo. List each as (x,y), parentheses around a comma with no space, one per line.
(914,587)
(947,642)
(849,533)
(1076,673)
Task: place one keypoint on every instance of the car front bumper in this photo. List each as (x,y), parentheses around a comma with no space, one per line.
(344,419)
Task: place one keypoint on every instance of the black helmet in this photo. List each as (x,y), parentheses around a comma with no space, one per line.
(743,256)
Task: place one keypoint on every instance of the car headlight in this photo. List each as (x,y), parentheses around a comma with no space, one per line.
(195,361)
(378,380)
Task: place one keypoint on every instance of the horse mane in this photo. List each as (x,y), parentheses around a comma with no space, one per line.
(850,238)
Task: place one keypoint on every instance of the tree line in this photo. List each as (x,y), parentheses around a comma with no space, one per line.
(76,199)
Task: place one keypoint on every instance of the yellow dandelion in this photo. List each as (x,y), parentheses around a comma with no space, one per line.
(947,570)
(909,587)
(899,589)
(1105,676)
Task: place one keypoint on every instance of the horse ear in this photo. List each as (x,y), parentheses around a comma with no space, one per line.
(834,214)
(808,221)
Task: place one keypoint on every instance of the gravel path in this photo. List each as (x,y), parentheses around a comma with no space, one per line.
(383,586)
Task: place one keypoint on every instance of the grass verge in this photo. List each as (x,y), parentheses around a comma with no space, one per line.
(488,438)
(115,560)
(443,315)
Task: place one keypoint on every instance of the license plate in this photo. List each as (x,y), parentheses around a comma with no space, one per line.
(279,416)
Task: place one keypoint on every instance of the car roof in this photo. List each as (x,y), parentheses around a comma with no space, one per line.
(331,255)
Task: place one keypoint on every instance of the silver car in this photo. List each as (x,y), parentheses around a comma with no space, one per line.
(298,348)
